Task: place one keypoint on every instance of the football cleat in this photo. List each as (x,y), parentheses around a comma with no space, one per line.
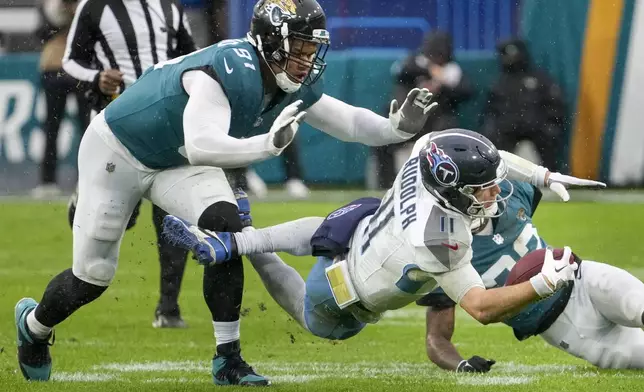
(168,321)
(208,247)
(33,354)
(229,368)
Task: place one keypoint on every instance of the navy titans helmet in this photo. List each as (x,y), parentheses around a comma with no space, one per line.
(455,163)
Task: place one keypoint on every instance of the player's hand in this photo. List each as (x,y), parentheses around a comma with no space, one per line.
(475,364)
(411,116)
(109,81)
(555,274)
(559,183)
(285,128)
(243,205)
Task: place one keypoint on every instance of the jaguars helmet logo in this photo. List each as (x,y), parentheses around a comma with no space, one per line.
(280,10)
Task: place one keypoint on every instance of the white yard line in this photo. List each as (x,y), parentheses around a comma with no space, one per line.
(509,373)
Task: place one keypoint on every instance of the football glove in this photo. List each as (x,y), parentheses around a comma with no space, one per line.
(558,183)
(410,118)
(243,205)
(555,274)
(285,128)
(475,364)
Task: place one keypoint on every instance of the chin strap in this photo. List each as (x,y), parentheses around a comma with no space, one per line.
(281,78)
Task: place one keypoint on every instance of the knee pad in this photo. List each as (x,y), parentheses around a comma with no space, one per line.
(97,271)
(221,216)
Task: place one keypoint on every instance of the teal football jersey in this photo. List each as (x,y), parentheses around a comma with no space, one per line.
(148,117)
(494,255)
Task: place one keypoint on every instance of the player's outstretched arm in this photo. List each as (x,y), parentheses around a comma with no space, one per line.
(352,124)
(440,349)
(520,169)
(438,339)
(206,122)
(495,305)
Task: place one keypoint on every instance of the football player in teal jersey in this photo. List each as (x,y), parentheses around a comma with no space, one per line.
(597,318)
(168,137)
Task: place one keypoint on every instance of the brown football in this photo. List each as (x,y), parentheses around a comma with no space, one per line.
(531,264)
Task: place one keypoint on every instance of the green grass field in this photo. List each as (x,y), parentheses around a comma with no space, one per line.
(110,345)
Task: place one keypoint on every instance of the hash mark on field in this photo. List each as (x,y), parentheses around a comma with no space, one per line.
(83,377)
(494,380)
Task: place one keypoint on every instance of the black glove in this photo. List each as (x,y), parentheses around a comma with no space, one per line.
(475,364)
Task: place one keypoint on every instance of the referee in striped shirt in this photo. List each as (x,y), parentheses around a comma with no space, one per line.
(110,44)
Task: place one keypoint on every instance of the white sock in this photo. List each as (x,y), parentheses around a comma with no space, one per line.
(226,332)
(37,330)
(292,237)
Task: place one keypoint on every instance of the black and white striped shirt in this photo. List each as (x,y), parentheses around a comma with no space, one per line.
(127,35)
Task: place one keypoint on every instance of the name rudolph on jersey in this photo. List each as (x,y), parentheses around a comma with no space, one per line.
(408,192)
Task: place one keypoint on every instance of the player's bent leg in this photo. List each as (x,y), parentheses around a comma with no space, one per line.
(223,289)
(283,283)
(621,348)
(102,213)
(202,195)
(615,293)
(322,315)
(173,262)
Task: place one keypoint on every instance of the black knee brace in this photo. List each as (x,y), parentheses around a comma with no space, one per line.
(221,216)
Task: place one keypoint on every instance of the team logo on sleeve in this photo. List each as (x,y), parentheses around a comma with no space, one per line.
(280,10)
(443,167)
(341,211)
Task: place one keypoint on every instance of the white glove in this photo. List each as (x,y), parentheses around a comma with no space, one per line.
(555,274)
(413,113)
(285,128)
(558,183)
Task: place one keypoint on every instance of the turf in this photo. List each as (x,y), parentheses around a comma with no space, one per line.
(110,345)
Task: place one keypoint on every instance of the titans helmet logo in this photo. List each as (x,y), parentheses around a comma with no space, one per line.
(443,167)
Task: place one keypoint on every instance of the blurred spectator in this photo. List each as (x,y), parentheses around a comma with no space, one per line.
(3,44)
(433,67)
(208,20)
(524,104)
(56,19)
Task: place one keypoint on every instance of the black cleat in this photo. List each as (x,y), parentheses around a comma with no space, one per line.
(229,368)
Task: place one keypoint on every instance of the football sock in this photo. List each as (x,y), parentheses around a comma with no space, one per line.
(63,296)
(293,237)
(282,282)
(36,329)
(173,264)
(223,287)
(226,332)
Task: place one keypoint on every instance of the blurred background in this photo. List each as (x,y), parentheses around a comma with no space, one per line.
(559,82)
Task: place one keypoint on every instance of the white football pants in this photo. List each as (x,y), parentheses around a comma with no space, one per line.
(602,322)
(111,182)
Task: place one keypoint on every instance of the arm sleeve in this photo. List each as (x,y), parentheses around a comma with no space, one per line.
(352,124)
(79,51)
(520,169)
(457,282)
(206,122)
(185,42)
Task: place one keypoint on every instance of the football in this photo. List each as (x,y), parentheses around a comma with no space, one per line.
(530,265)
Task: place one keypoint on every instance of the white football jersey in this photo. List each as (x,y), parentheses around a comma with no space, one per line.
(410,245)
